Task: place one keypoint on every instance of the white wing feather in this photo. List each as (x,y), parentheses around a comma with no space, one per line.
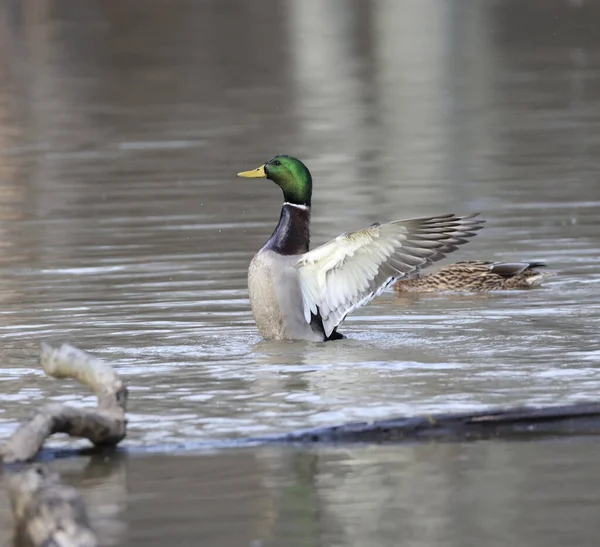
(352,269)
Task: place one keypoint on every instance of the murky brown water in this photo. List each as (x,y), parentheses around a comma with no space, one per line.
(124,231)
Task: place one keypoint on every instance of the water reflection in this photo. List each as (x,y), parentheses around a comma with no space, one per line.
(448,495)
(102,482)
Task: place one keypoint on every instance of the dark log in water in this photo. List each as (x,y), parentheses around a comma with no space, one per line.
(523,422)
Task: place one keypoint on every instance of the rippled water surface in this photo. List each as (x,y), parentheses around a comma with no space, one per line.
(124,231)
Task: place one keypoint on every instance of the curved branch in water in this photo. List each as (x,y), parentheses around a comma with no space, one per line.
(103,426)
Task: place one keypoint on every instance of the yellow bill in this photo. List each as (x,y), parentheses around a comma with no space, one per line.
(258,173)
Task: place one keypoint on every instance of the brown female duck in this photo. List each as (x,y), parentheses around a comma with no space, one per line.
(477,276)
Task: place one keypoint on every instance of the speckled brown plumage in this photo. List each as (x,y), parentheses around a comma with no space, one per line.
(477,276)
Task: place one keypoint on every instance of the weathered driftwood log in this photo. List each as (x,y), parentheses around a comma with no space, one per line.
(48,512)
(104,425)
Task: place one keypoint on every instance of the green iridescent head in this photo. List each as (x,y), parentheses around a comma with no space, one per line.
(290,174)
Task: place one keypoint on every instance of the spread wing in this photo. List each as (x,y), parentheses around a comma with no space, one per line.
(350,270)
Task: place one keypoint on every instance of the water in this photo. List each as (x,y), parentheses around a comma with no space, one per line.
(124,231)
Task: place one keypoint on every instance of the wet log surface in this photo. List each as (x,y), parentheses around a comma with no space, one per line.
(524,423)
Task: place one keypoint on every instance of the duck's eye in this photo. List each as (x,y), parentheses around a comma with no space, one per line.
(276,162)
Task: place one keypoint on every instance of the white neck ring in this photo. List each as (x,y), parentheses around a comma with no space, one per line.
(303,207)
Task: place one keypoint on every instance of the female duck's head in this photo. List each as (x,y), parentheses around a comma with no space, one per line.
(290,174)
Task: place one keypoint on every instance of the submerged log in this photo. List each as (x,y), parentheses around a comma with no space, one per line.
(104,425)
(48,513)
(522,422)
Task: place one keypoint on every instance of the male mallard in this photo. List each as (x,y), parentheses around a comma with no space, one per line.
(297,294)
(477,276)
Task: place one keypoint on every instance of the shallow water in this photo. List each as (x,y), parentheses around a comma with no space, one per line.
(124,231)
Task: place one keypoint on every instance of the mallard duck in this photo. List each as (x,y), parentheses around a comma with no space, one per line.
(477,276)
(297,294)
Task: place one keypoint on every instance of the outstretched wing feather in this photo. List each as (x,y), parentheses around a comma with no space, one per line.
(347,272)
